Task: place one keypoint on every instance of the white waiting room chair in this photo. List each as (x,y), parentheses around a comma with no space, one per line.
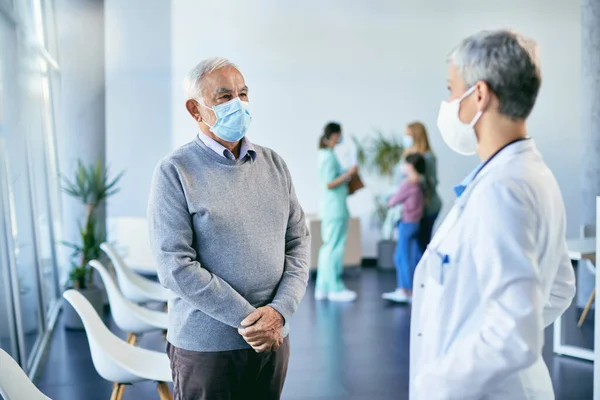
(116,360)
(587,231)
(14,383)
(133,239)
(129,317)
(133,286)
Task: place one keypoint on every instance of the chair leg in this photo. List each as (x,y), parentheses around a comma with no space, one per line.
(117,392)
(587,308)
(121,391)
(132,339)
(163,391)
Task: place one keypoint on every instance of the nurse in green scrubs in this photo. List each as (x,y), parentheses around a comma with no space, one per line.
(334,218)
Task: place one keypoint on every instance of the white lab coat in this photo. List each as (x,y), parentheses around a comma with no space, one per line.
(496,274)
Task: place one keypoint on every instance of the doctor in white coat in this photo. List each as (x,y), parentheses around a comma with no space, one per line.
(497,271)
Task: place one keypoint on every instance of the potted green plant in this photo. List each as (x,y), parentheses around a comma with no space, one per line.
(379,156)
(92,186)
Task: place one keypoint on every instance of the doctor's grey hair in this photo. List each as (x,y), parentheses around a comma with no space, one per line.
(507,62)
(192,84)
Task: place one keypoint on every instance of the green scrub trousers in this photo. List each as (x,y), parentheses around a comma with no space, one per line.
(334,225)
(334,233)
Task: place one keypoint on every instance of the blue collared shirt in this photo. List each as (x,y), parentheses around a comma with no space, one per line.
(461,187)
(247,149)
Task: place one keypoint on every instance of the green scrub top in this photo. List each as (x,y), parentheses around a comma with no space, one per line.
(333,204)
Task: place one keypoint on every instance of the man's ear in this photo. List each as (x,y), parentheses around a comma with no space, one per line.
(194,109)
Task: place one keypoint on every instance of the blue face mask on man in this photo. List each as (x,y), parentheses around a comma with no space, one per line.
(233,120)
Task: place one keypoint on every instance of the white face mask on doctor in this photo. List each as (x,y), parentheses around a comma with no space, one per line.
(459,136)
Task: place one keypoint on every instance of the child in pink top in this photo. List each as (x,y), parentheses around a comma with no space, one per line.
(408,250)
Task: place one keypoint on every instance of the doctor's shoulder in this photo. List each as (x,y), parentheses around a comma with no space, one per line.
(504,191)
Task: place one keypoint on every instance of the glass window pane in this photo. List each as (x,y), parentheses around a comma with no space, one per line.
(21,236)
(38,22)
(37,98)
(8,3)
(23,241)
(24,11)
(30,184)
(51,100)
(49,27)
(7,329)
(7,69)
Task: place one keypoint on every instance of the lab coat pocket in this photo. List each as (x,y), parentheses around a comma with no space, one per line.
(438,265)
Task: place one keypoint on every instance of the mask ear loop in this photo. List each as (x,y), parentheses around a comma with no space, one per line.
(480,113)
(209,108)
(476,118)
(464,96)
(467,93)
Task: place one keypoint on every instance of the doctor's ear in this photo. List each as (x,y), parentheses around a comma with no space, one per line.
(194,109)
(484,95)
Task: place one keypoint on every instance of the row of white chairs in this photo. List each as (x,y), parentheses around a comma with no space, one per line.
(114,359)
(134,287)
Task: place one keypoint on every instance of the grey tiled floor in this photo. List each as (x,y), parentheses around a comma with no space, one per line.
(339,351)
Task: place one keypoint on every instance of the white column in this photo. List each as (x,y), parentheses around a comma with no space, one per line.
(590,105)
(82,132)
(590,129)
(597,315)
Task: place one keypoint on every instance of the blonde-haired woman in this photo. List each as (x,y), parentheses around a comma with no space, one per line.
(416,141)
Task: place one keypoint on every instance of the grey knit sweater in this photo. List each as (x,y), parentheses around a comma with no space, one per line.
(228,236)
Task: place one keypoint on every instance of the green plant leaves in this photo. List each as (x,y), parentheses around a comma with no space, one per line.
(78,275)
(380,154)
(361,152)
(92,186)
(386,154)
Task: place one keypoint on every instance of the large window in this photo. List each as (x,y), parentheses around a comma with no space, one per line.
(29,183)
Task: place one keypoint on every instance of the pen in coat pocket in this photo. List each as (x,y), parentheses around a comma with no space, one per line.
(445,260)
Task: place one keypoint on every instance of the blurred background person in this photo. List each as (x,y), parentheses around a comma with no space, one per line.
(411,196)
(416,141)
(334,216)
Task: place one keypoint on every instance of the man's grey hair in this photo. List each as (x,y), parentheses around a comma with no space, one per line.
(507,62)
(192,84)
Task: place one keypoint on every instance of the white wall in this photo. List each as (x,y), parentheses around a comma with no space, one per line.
(138,96)
(377,64)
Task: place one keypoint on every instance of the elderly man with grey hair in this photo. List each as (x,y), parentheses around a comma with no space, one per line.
(231,242)
(497,272)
